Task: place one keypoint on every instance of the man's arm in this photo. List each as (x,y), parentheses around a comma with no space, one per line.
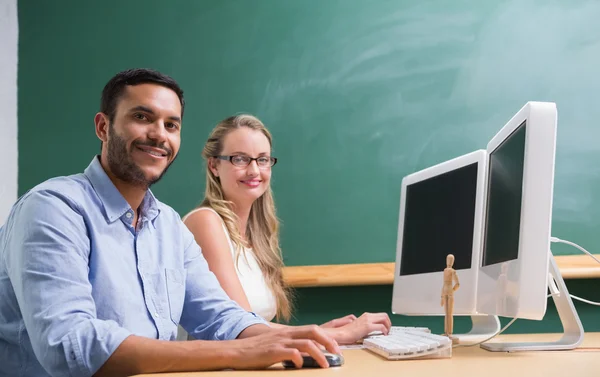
(48,263)
(259,347)
(207,229)
(138,355)
(47,260)
(208,312)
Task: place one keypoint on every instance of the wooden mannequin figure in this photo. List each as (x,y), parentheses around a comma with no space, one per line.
(448,290)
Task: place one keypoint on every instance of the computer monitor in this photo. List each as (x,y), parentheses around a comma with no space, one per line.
(516,259)
(441,211)
(440,214)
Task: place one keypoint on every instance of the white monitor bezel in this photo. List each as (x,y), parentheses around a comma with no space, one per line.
(518,288)
(420,294)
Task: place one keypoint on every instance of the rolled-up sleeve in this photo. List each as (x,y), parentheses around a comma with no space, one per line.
(47,261)
(208,313)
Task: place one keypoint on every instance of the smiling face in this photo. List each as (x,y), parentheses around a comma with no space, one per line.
(243,184)
(144,137)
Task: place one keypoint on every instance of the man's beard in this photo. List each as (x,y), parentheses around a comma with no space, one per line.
(122,165)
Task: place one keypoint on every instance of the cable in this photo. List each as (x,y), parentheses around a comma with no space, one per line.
(558,240)
(552,239)
(586,301)
(555,240)
(485,340)
(576,298)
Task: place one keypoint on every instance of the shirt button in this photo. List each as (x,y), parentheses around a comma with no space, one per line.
(128,215)
(155,315)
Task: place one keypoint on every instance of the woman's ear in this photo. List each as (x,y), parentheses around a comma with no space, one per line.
(212,166)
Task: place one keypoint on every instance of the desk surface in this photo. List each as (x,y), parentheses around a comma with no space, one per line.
(583,362)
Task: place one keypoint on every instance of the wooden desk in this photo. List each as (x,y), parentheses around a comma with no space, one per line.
(468,361)
(570,266)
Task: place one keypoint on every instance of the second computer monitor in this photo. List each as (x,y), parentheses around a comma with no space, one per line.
(440,213)
(513,279)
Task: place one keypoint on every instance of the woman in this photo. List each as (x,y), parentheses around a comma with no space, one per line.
(238,231)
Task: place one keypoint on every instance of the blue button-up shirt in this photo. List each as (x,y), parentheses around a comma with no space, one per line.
(76,278)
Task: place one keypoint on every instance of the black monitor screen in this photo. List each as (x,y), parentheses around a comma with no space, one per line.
(439,219)
(505,190)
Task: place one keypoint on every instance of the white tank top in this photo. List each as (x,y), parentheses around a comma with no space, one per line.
(261,298)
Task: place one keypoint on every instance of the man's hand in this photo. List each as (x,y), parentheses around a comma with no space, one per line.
(361,327)
(276,345)
(339,322)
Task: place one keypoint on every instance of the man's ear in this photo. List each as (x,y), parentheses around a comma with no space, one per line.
(102,123)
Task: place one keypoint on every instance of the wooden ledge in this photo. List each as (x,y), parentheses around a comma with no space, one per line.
(571,267)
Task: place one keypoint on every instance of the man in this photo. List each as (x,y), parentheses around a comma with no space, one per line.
(96,273)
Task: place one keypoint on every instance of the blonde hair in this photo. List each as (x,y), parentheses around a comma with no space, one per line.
(262,229)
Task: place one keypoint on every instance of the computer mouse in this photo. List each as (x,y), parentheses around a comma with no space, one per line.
(333,359)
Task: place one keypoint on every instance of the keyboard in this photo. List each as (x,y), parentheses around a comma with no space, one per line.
(406,343)
(397,329)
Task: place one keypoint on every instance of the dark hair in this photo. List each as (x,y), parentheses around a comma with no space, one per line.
(113,90)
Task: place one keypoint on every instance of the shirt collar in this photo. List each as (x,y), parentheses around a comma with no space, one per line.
(115,205)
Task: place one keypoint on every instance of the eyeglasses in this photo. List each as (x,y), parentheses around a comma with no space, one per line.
(241,160)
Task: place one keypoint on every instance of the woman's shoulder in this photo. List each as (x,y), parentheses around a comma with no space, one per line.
(201,213)
(204,218)
(205,222)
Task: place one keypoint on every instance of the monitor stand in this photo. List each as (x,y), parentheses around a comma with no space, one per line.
(573,330)
(484,327)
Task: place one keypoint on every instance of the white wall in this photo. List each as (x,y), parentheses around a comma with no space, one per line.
(9,37)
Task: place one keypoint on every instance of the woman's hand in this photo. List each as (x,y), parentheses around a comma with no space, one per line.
(339,322)
(361,327)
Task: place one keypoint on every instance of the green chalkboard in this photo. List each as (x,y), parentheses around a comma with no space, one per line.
(357,94)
